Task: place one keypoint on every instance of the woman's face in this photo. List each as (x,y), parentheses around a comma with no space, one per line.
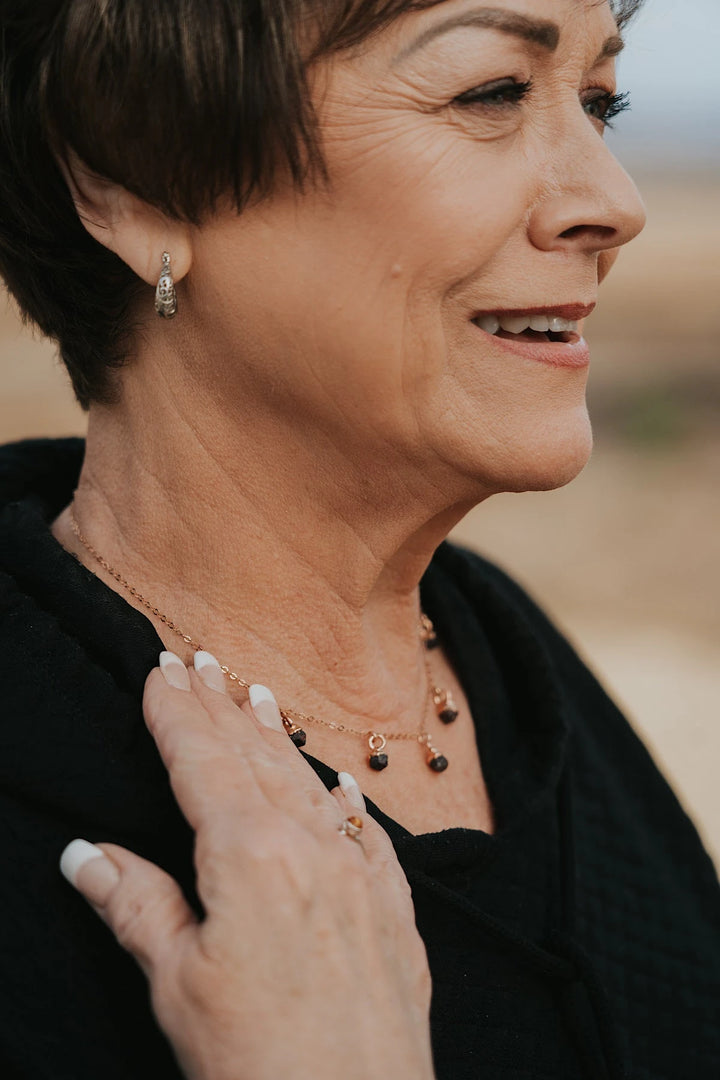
(469,178)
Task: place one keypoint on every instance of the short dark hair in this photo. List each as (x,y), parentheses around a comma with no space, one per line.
(179,101)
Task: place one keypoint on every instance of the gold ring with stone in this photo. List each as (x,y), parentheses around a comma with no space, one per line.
(352,827)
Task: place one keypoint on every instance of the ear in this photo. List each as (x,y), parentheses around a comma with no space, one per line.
(135,231)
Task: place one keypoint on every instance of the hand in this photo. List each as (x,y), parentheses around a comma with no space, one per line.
(308,963)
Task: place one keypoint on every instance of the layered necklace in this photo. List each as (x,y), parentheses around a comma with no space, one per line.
(440,703)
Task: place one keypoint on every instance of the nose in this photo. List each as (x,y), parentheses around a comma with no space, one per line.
(591,204)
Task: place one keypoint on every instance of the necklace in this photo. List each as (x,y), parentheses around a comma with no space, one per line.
(440,700)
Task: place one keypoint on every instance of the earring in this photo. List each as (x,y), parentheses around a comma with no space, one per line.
(165,295)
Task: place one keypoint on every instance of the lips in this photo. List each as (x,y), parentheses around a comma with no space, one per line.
(573,312)
(548,334)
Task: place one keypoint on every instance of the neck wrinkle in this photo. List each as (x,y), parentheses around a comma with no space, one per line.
(294,573)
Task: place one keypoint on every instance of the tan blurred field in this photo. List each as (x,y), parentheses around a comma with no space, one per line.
(626,557)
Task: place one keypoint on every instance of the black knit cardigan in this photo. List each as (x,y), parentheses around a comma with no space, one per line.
(580,941)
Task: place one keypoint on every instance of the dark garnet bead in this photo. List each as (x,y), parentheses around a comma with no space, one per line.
(438,763)
(432,642)
(298,737)
(378,761)
(447,715)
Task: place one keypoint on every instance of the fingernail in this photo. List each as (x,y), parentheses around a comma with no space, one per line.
(89,870)
(209,670)
(174,671)
(265,707)
(351,790)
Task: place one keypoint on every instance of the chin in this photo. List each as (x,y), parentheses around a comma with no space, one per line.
(537,457)
(553,460)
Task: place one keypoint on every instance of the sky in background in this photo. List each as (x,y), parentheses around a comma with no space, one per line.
(671,66)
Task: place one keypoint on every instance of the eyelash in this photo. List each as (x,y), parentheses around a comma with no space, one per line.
(511,93)
(510,90)
(612,105)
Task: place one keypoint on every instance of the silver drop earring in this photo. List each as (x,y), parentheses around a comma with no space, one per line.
(165,294)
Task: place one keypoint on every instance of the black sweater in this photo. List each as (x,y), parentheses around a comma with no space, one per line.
(581,940)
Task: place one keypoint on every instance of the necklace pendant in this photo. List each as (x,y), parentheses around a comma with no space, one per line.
(433,758)
(437,762)
(427,633)
(444,705)
(376,759)
(294,731)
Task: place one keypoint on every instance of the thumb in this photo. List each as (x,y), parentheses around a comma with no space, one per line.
(143,906)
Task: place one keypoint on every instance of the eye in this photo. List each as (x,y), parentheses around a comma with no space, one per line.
(499,94)
(604,107)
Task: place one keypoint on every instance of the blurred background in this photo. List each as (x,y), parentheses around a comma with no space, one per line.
(626,558)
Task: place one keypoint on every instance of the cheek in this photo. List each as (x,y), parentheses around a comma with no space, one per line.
(428,195)
(346,307)
(606,262)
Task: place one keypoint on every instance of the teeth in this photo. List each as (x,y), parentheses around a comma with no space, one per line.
(517,324)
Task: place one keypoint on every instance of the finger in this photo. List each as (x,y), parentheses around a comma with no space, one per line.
(174,670)
(266,710)
(210,671)
(203,774)
(284,776)
(218,760)
(351,790)
(265,707)
(376,842)
(143,906)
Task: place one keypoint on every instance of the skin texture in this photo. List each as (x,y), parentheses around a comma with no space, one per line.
(295,444)
(289,451)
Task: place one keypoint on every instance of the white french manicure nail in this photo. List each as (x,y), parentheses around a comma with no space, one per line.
(88,868)
(351,790)
(104,878)
(209,670)
(174,671)
(74,857)
(265,707)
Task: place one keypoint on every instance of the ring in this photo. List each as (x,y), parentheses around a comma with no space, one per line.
(352,827)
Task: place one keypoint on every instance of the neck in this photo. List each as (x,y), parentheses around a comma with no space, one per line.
(293,561)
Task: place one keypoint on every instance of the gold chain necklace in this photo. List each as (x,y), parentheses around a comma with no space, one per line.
(293,719)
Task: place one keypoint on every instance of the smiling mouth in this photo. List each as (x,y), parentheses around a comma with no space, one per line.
(539,324)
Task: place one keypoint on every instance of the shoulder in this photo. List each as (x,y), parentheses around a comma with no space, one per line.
(41,468)
(525,635)
(493,591)
(37,477)
(525,640)
(624,801)
(52,610)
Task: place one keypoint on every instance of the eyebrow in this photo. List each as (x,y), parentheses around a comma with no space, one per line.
(536,31)
(612,47)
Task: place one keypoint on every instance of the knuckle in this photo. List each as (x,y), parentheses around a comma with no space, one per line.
(321,800)
(126,918)
(267,847)
(280,780)
(137,907)
(201,977)
(218,855)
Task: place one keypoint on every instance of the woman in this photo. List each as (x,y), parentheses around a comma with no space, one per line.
(372,232)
